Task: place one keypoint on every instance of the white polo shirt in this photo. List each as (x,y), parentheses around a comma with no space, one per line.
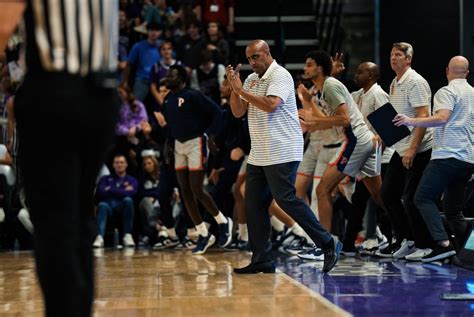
(276,137)
(455,139)
(367,103)
(410,92)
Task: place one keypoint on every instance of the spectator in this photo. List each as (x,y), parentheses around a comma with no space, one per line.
(217,43)
(221,11)
(132,114)
(115,194)
(208,77)
(143,56)
(191,44)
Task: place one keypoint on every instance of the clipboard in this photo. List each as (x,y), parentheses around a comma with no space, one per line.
(381,120)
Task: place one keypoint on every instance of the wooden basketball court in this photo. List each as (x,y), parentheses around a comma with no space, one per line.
(176,283)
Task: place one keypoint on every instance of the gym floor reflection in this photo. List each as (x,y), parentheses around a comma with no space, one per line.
(172,283)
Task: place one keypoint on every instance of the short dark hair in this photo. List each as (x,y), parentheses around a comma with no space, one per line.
(206,56)
(182,73)
(322,59)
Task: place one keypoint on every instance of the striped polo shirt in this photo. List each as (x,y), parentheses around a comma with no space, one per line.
(276,136)
(410,92)
(455,139)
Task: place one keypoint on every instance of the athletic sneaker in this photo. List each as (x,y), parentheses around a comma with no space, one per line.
(238,245)
(186,244)
(128,241)
(204,243)
(99,242)
(370,246)
(165,243)
(225,233)
(418,254)
(287,240)
(407,247)
(295,250)
(440,253)
(279,236)
(388,251)
(296,244)
(313,254)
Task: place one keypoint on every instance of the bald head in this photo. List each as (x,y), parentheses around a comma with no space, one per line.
(458,67)
(367,75)
(373,69)
(258,55)
(259,46)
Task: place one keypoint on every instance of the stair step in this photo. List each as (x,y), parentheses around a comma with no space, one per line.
(270,30)
(270,7)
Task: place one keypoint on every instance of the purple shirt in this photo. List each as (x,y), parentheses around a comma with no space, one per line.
(129,118)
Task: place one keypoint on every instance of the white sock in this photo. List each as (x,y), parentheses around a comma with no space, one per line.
(243,232)
(220,218)
(202,229)
(277,224)
(171,233)
(296,229)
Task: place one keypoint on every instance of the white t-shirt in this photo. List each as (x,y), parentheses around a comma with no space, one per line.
(276,137)
(334,94)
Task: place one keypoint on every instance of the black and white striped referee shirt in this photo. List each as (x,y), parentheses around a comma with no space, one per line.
(72,36)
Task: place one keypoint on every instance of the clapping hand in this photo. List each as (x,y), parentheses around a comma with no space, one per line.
(233,76)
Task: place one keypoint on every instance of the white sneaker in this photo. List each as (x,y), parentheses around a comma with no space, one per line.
(418,254)
(370,246)
(407,247)
(99,242)
(314,254)
(128,241)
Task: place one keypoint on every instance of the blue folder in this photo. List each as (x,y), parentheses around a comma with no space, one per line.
(381,120)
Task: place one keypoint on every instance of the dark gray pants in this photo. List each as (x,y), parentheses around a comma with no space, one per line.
(278,182)
(448,176)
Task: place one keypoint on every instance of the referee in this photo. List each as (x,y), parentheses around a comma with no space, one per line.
(66,111)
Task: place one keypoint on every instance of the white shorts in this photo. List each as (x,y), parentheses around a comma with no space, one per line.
(191,154)
(347,186)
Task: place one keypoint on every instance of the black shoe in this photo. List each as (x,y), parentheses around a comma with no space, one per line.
(389,251)
(331,254)
(254,268)
(439,253)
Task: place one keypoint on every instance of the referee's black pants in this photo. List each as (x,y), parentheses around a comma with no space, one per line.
(65,125)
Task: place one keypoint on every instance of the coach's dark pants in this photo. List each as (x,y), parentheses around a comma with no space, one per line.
(65,126)
(276,181)
(398,192)
(449,176)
